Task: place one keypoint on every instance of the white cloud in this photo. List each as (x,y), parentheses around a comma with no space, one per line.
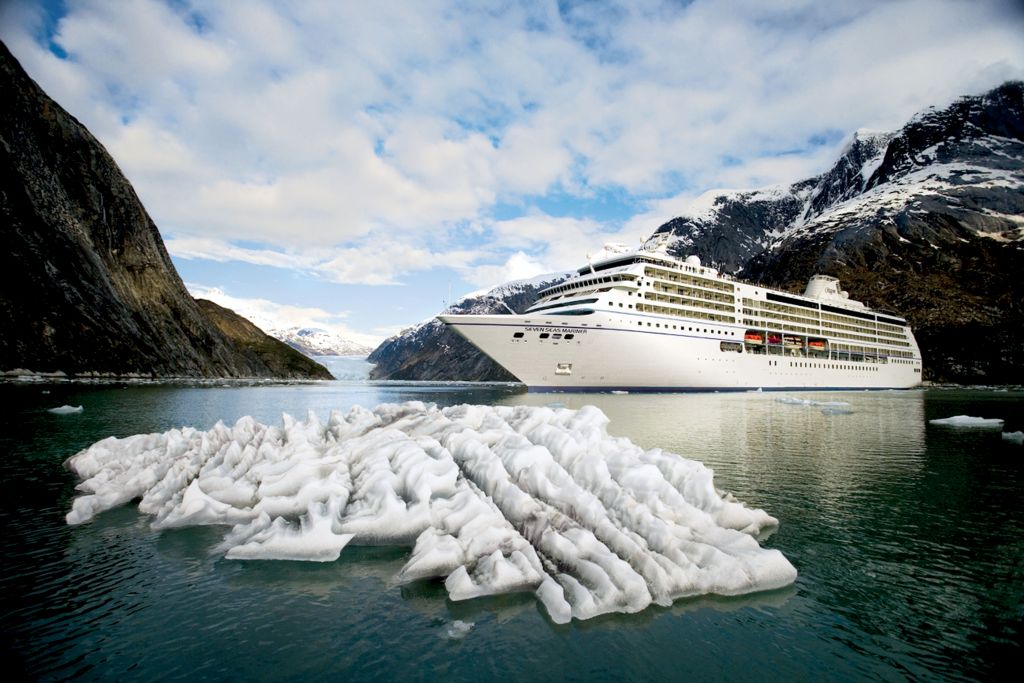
(270,315)
(356,141)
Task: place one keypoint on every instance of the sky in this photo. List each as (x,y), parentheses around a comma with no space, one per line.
(356,165)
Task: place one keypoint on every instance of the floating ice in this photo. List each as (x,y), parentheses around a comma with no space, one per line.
(66,410)
(836,410)
(457,630)
(828,407)
(1014,437)
(493,499)
(969,421)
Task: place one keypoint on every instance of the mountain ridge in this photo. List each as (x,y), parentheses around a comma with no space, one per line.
(88,287)
(429,350)
(314,341)
(927,220)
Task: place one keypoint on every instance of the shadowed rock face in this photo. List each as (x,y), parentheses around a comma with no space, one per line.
(87,285)
(431,351)
(926,221)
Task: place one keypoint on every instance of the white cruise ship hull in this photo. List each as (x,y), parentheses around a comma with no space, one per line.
(609,353)
(647,321)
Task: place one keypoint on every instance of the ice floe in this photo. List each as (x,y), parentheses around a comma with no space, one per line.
(491,499)
(66,410)
(969,421)
(1014,437)
(458,629)
(827,407)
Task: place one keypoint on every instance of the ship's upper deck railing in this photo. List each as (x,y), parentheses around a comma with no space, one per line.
(623,261)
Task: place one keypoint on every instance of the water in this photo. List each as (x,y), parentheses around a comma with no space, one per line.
(907,537)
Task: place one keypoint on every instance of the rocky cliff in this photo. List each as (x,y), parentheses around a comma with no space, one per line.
(87,285)
(927,221)
(430,351)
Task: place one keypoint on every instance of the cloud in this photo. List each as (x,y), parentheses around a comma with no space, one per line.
(364,142)
(270,315)
(373,262)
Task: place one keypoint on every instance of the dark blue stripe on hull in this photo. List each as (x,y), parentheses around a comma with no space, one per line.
(698,390)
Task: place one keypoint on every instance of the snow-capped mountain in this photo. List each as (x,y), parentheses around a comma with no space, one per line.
(927,221)
(964,161)
(430,351)
(313,341)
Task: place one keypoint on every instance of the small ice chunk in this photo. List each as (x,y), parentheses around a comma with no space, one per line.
(1014,437)
(835,410)
(458,629)
(66,410)
(969,421)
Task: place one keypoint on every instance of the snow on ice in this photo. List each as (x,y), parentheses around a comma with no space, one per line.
(1014,437)
(969,421)
(492,499)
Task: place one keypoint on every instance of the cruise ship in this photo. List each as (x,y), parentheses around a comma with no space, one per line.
(643,320)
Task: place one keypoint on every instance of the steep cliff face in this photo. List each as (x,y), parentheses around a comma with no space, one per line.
(430,351)
(259,348)
(88,287)
(927,221)
(730,228)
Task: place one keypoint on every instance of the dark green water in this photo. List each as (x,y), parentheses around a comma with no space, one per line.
(909,540)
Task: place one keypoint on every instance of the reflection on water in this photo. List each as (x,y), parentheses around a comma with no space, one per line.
(907,537)
(757,441)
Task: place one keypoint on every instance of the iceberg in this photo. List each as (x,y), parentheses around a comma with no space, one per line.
(969,421)
(66,410)
(491,500)
(1014,437)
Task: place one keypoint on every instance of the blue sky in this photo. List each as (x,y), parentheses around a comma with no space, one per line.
(347,164)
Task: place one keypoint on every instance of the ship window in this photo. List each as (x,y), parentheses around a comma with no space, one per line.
(563,369)
(569,336)
(518,335)
(544,335)
(556,336)
(730,346)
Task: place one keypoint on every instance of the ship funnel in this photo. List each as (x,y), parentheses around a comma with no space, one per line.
(822,287)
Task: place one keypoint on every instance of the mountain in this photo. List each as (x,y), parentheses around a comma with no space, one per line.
(927,221)
(88,287)
(430,351)
(313,341)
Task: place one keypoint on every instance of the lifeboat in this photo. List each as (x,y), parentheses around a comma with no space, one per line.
(816,345)
(774,338)
(793,342)
(753,338)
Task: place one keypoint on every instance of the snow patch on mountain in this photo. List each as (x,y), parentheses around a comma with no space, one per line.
(313,341)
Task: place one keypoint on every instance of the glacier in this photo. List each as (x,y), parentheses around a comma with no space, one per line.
(491,499)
